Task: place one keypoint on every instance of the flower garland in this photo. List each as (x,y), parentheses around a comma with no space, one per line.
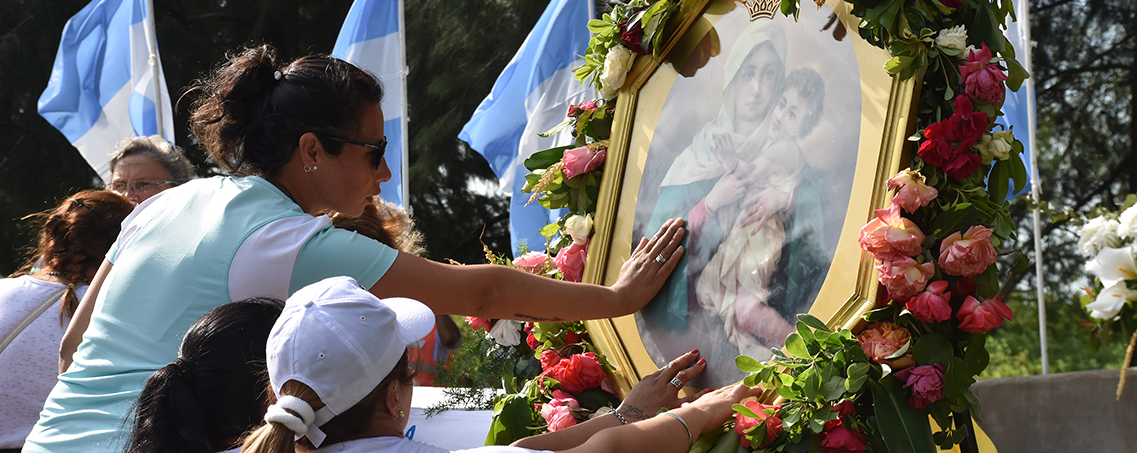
(935,244)
(1107,241)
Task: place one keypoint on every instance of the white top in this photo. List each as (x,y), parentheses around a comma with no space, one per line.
(30,362)
(391,444)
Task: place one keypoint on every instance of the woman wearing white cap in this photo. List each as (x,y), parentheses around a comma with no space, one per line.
(299,137)
(337,362)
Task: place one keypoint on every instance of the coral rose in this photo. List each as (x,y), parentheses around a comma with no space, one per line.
(890,236)
(978,316)
(570,261)
(773,423)
(840,439)
(932,305)
(911,191)
(532,262)
(576,374)
(882,339)
(926,382)
(968,254)
(981,79)
(905,277)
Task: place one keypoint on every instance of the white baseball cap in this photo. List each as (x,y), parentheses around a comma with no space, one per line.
(339,339)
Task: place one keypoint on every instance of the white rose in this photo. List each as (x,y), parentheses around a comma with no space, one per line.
(1096,234)
(1000,149)
(506,332)
(579,227)
(984,148)
(616,66)
(1127,227)
(953,38)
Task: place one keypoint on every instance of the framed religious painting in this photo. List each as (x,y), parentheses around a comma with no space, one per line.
(774,139)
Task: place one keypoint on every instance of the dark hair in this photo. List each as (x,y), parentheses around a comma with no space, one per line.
(216,389)
(75,238)
(274,437)
(382,221)
(250,119)
(811,88)
(154,147)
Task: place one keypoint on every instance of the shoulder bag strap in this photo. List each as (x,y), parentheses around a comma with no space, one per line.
(29,318)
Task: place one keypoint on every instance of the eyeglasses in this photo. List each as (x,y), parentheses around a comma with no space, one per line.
(377,149)
(142,186)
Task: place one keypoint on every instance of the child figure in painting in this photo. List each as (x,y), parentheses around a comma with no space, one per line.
(735,283)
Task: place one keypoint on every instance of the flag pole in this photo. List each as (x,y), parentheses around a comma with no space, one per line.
(405,161)
(1036,191)
(152,47)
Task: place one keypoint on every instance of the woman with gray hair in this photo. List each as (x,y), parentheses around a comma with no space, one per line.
(141,167)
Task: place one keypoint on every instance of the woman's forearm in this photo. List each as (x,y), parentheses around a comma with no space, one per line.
(82,318)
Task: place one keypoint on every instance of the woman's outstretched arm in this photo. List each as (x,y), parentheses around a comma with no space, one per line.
(82,318)
(492,291)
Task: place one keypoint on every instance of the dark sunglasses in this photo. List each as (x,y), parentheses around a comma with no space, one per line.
(377,149)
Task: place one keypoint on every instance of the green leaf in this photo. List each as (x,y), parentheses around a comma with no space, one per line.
(813,322)
(998,181)
(858,372)
(976,357)
(956,218)
(796,346)
(833,388)
(932,348)
(904,429)
(550,230)
(557,128)
(741,409)
(511,420)
(543,159)
(1018,169)
(748,364)
(987,283)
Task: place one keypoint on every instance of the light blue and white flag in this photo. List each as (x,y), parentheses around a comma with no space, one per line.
(1018,107)
(104,86)
(530,96)
(372,38)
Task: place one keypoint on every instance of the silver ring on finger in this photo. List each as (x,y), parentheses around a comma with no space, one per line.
(677,383)
(660,259)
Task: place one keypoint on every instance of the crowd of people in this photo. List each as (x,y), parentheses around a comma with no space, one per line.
(274,309)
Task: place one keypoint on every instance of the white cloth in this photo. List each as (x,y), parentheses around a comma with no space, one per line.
(392,444)
(30,362)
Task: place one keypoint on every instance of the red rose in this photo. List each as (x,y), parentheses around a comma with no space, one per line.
(969,125)
(963,165)
(842,440)
(982,316)
(844,409)
(631,37)
(477,323)
(952,3)
(531,340)
(773,423)
(549,359)
(932,305)
(573,337)
(586,371)
(926,382)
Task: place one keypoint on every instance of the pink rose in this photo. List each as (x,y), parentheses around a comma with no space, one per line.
(982,316)
(926,382)
(773,423)
(969,254)
(882,339)
(840,439)
(981,79)
(532,262)
(557,416)
(890,237)
(905,277)
(911,192)
(570,261)
(582,160)
(579,109)
(932,305)
(477,323)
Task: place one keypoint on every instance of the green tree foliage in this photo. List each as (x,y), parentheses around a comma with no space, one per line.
(456,49)
(1085,71)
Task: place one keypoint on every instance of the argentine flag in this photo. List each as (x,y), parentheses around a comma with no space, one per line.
(372,38)
(104,86)
(530,96)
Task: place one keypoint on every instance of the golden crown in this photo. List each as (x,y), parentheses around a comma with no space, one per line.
(762,9)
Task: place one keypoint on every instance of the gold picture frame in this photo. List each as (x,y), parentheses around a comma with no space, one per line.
(674,116)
